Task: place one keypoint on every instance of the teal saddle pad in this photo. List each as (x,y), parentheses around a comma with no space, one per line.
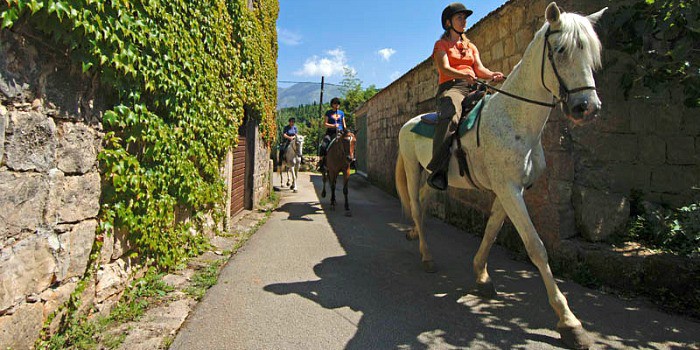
(428,130)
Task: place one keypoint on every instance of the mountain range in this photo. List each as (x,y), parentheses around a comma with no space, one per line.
(305,94)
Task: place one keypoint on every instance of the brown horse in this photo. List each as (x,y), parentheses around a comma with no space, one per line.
(338,159)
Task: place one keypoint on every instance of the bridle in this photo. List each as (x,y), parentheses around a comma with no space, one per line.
(296,142)
(349,138)
(564,92)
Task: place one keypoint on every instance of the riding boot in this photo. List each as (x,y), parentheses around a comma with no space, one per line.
(322,164)
(442,141)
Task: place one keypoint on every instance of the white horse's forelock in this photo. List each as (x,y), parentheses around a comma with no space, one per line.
(577,34)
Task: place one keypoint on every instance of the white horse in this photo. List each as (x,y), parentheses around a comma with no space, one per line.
(559,63)
(292,161)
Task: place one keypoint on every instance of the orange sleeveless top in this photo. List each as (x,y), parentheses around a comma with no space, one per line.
(460,56)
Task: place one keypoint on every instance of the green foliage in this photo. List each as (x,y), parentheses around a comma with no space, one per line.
(77,332)
(204,279)
(309,120)
(671,230)
(662,37)
(355,95)
(182,73)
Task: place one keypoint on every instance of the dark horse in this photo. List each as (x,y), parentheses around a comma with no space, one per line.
(338,159)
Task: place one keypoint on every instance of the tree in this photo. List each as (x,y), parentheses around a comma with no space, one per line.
(355,96)
(662,37)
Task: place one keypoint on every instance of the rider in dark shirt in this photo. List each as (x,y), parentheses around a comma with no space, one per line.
(334,123)
(288,133)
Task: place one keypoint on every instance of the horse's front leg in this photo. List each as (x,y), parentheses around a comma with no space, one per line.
(323,193)
(333,178)
(279,170)
(295,172)
(572,332)
(346,178)
(484,285)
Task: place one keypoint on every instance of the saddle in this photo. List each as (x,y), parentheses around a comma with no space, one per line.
(469,118)
(426,126)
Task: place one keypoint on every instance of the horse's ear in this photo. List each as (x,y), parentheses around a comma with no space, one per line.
(594,17)
(552,13)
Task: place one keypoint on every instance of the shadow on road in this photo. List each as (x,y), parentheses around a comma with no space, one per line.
(300,211)
(402,307)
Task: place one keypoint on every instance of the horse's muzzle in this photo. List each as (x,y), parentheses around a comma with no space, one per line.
(583,110)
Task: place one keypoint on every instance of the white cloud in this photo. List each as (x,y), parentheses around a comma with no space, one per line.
(331,64)
(386,53)
(395,75)
(288,37)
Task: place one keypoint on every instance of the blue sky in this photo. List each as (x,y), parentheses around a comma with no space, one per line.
(379,39)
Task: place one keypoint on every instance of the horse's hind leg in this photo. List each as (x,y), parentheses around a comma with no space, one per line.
(484,285)
(570,328)
(417,201)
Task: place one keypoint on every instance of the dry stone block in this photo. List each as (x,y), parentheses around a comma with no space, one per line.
(111,280)
(121,244)
(21,329)
(673,178)
(27,268)
(31,144)
(599,214)
(80,198)
(55,297)
(3,129)
(22,203)
(77,148)
(76,245)
(652,150)
(681,150)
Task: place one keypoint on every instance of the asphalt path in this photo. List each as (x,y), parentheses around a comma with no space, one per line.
(311,278)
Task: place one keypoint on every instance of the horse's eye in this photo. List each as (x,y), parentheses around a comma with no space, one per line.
(561,49)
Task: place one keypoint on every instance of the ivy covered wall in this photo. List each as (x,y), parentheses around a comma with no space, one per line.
(182,72)
(171,82)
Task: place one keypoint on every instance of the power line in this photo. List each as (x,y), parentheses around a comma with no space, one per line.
(305,82)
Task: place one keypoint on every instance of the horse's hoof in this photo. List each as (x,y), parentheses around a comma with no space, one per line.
(348,213)
(575,337)
(295,190)
(485,290)
(411,235)
(429,267)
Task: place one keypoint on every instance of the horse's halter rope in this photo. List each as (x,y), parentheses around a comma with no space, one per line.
(563,91)
(342,148)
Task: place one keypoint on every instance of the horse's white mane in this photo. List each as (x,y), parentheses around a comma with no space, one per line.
(577,33)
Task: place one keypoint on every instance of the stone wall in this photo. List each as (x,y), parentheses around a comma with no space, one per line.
(50,135)
(647,145)
(261,181)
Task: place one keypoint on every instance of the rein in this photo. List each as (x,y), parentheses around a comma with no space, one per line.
(563,90)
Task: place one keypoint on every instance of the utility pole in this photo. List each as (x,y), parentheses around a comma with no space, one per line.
(320,113)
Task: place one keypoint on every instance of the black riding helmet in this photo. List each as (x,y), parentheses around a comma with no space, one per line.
(451,10)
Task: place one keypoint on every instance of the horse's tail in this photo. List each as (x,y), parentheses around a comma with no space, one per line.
(402,185)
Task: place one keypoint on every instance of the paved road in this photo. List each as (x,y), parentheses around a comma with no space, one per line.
(315,279)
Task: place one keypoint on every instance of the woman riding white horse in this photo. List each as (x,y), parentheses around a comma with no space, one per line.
(291,153)
(558,64)
(458,64)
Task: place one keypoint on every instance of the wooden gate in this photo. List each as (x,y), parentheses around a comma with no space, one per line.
(238,177)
